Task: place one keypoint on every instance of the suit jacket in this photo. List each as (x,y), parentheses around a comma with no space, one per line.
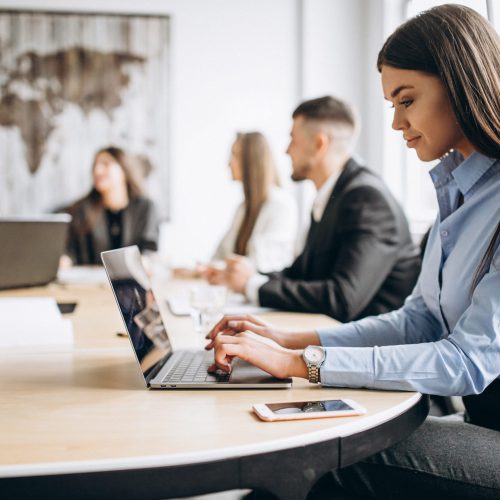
(358,260)
(139,227)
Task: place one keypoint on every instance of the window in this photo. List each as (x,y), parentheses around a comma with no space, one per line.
(406,174)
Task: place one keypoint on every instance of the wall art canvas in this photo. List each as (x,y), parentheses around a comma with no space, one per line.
(71,83)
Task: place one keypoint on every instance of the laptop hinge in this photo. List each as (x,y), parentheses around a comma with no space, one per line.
(157,368)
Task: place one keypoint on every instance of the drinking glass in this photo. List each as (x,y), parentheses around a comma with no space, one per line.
(206,303)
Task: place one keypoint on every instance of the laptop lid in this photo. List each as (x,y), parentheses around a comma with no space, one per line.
(147,333)
(31,248)
(139,309)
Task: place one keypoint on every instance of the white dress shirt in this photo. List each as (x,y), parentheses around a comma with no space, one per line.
(318,208)
(323,196)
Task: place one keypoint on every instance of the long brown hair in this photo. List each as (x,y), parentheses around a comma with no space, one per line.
(459,46)
(258,175)
(486,260)
(133,182)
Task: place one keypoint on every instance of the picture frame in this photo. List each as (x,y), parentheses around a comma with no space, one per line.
(70,84)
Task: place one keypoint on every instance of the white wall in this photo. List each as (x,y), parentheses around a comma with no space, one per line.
(333,51)
(241,65)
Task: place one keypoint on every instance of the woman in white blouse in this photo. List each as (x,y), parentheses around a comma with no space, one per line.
(264,226)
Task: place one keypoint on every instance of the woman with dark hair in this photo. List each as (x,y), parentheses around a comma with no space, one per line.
(441,72)
(115,213)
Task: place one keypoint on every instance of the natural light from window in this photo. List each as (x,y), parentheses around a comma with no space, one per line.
(416,191)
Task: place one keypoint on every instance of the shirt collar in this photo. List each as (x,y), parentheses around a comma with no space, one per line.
(323,195)
(466,173)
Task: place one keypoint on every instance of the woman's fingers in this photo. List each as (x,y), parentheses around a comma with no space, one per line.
(259,351)
(225,352)
(225,367)
(235,327)
(256,320)
(251,348)
(243,325)
(218,328)
(224,323)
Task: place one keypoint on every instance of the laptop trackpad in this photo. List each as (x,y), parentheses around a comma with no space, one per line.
(246,373)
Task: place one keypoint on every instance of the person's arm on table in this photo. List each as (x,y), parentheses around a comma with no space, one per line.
(259,351)
(403,350)
(411,324)
(235,324)
(367,250)
(465,362)
(242,277)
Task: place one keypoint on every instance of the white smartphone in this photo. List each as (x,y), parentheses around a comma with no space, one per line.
(297,410)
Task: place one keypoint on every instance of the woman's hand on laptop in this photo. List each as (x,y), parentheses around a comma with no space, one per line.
(232,325)
(258,351)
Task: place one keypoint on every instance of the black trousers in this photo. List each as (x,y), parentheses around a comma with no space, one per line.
(447,457)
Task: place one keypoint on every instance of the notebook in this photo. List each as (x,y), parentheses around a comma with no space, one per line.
(31,248)
(161,366)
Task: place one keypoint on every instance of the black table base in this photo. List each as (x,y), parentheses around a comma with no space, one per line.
(288,474)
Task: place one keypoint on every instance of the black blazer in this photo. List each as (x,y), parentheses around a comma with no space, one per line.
(140,227)
(358,260)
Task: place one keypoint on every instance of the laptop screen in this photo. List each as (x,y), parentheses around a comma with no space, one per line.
(138,307)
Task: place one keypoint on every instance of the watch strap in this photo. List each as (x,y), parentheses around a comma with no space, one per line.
(313,373)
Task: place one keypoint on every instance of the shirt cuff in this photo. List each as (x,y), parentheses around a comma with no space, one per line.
(252,287)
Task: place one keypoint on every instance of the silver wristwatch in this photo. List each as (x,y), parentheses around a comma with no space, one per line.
(314,356)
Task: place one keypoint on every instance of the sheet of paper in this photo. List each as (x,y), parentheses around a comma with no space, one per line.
(33,321)
(82,275)
(179,306)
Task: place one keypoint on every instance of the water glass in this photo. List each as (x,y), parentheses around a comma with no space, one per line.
(206,304)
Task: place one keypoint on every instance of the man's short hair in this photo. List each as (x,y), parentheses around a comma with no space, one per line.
(327,108)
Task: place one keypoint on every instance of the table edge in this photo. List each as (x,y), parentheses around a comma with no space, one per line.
(197,457)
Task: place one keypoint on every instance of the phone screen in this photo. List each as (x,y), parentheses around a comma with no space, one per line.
(309,406)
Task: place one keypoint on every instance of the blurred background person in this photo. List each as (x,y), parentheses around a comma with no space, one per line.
(358,258)
(115,213)
(264,226)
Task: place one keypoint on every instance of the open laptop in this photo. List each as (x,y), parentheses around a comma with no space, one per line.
(161,366)
(30,249)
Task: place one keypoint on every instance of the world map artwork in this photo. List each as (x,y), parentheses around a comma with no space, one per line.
(39,87)
(70,85)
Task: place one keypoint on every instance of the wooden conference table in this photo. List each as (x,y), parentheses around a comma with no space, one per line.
(77,422)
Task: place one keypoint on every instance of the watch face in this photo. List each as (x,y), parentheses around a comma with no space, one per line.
(314,354)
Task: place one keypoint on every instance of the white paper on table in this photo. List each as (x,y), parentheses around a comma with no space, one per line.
(82,275)
(33,321)
(179,306)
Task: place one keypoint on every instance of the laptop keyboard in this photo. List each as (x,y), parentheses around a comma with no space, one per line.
(192,367)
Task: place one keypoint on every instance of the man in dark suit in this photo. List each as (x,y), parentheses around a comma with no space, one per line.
(358,259)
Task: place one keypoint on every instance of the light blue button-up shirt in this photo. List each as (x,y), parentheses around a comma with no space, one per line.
(443,340)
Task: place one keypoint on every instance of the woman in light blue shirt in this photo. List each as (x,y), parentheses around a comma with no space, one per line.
(441,73)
